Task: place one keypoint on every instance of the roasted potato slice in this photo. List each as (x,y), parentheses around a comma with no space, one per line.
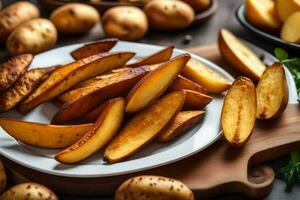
(65,77)
(291,29)
(183,83)
(240,56)
(93,115)
(104,130)
(272,92)
(94,48)
(195,100)
(144,127)
(44,135)
(161,56)
(285,8)
(183,121)
(12,69)
(239,111)
(155,83)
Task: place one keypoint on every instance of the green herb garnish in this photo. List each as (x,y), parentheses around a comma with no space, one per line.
(291,171)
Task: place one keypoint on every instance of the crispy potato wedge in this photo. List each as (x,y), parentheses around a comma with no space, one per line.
(23,87)
(104,130)
(144,127)
(155,84)
(203,75)
(239,111)
(286,8)
(240,56)
(12,69)
(159,57)
(272,93)
(65,77)
(291,29)
(181,83)
(94,114)
(195,100)
(80,101)
(93,48)
(44,135)
(183,121)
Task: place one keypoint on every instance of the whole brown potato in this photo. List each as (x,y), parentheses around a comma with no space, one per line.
(169,15)
(74,18)
(198,5)
(15,14)
(33,36)
(125,22)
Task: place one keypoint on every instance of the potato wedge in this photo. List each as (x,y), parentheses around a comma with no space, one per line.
(286,8)
(195,100)
(181,83)
(64,78)
(23,87)
(104,130)
(239,111)
(80,101)
(12,69)
(240,56)
(203,75)
(144,127)
(291,29)
(93,115)
(161,56)
(183,121)
(272,93)
(44,135)
(93,48)
(155,84)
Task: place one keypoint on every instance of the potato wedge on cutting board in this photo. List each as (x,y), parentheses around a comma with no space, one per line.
(181,83)
(93,48)
(240,56)
(183,121)
(44,135)
(65,77)
(155,84)
(103,131)
(239,111)
(195,100)
(285,8)
(291,29)
(272,92)
(144,127)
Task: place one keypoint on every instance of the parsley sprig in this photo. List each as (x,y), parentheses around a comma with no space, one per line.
(291,171)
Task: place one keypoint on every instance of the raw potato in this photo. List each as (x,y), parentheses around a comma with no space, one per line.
(103,131)
(12,69)
(144,127)
(262,14)
(15,14)
(93,48)
(33,36)
(198,5)
(212,81)
(74,18)
(240,56)
(184,121)
(153,188)
(34,134)
(125,22)
(3,178)
(272,93)
(291,29)
(195,100)
(143,93)
(30,190)
(169,15)
(286,8)
(182,83)
(239,111)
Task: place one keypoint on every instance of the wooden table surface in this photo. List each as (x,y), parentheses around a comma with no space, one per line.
(205,33)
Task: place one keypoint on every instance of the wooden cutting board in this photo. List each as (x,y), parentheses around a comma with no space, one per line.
(217,170)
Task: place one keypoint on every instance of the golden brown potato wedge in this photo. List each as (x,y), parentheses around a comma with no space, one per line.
(291,29)
(93,48)
(272,92)
(203,75)
(12,69)
(161,56)
(181,83)
(286,8)
(144,127)
(93,115)
(240,56)
(183,121)
(65,77)
(44,135)
(155,83)
(95,139)
(195,100)
(239,111)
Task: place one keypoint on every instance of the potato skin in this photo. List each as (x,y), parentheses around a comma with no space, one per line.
(169,15)
(125,22)
(33,36)
(15,14)
(74,18)
(198,5)
(3,178)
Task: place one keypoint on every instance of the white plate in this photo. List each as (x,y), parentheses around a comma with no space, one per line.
(197,139)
